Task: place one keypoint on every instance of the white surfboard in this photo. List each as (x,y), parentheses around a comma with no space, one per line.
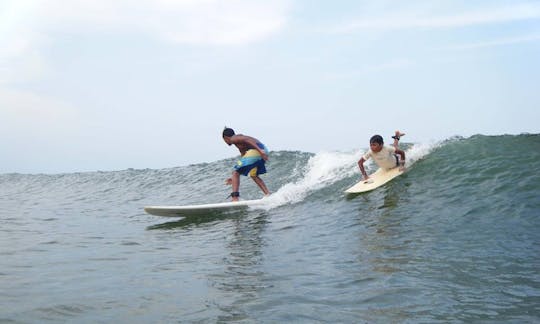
(199,210)
(377,179)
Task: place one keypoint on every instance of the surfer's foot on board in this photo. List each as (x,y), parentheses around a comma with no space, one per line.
(235,195)
(398,135)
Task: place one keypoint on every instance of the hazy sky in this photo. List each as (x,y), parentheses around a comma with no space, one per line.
(107,85)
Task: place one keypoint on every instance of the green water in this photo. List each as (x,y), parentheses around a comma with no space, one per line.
(455,239)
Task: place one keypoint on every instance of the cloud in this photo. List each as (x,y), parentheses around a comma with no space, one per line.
(497,42)
(384,66)
(20,59)
(481,17)
(399,63)
(201,22)
(28,65)
(27,27)
(24,112)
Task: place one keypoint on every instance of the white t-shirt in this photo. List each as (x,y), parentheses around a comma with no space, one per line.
(385,158)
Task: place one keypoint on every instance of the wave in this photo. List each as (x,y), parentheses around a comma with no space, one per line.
(326,168)
(500,161)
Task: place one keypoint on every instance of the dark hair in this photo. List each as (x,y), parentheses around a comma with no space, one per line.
(228,132)
(376,139)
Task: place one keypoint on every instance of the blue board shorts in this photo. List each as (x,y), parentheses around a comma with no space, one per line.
(252,163)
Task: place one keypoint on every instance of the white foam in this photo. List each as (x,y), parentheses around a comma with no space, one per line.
(326,168)
(419,151)
(323,169)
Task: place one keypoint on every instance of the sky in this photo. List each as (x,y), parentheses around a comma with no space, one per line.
(90,85)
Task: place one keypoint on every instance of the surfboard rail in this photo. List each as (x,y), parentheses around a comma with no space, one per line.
(202,209)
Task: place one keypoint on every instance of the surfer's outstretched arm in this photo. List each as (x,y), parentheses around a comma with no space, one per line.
(361,166)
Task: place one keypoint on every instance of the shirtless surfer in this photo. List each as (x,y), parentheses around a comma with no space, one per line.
(252,161)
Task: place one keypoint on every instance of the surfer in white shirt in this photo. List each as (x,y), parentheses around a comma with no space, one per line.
(385,157)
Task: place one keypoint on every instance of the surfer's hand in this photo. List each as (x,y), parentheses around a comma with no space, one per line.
(228,181)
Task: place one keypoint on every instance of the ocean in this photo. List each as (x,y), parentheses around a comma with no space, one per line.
(455,239)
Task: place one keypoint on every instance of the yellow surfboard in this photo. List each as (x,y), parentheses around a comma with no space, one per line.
(377,179)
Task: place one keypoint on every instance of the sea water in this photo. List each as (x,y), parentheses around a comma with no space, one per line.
(454,239)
